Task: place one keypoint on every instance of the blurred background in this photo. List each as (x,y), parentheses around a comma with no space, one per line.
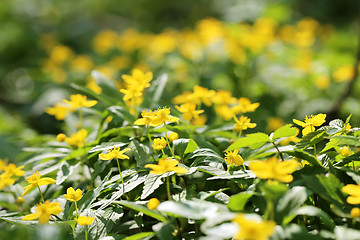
(295,57)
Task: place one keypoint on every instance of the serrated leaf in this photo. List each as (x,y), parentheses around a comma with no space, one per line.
(250,139)
(141,208)
(141,153)
(152,183)
(180,146)
(311,139)
(65,171)
(355,157)
(123,113)
(106,146)
(300,154)
(204,155)
(191,146)
(284,131)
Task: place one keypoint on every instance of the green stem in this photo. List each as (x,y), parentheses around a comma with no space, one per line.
(239,135)
(168,187)
(76,209)
(86,235)
(122,180)
(42,198)
(167,140)
(269,214)
(315,150)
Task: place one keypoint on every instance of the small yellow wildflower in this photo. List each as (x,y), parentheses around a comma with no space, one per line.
(294,139)
(355,212)
(6,180)
(354,192)
(78,101)
(59,111)
(84,220)
(36,180)
(204,95)
(189,111)
(114,153)
(139,78)
(166,165)
(147,116)
(12,170)
(153,203)
(173,136)
(162,116)
(243,123)
(159,143)
(310,123)
(72,195)
(273,169)
(244,106)
(252,229)
(233,158)
(77,139)
(43,212)
(200,121)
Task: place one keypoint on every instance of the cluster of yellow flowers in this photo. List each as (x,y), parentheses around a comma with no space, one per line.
(9,173)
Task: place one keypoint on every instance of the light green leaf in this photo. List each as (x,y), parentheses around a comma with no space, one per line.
(142,235)
(344,233)
(65,171)
(284,131)
(237,202)
(300,154)
(152,183)
(191,146)
(250,140)
(106,146)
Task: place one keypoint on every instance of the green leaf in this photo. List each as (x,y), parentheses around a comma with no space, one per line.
(316,212)
(300,154)
(347,140)
(141,153)
(106,146)
(329,188)
(152,183)
(191,146)
(355,157)
(274,190)
(138,236)
(311,139)
(250,140)
(108,87)
(284,131)
(204,155)
(123,113)
(290,202)
(238,201)
(180,146)
(65,171)
(294,231)
(141,208)
(156,91)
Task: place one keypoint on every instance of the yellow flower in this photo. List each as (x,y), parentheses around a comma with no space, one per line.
(153,203)
(78,101)
(36,180)
(114,153)
(252,229)
(166,165)
(77,139)
(147,116)
(173,136)
(159,143)
(234,158)
(6,180)
(244,105)
(223,97)
(294,139)
(243,123)
(344,73)
(12,170)
(59,111)
(189,111)
(310,123)
(20,200)
(204,95)
(72,195)
(43,212)
(84,220)
(162,115)
(355,212)
(200,121)
(354,192)
(273,169)
(138,78)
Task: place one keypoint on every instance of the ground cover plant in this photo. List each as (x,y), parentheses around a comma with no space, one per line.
(217,131)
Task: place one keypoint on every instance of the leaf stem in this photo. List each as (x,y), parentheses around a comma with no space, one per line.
(168,187)
(167,140)
(86,234)
(280,153)
(122,180)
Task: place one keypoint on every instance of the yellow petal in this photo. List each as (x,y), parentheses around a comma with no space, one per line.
(298,122)
(180,170)
(45,181)
(44,218)
(351,189)
(353,199)
(90,103)
(32,216)
(319,119)
(107,156)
